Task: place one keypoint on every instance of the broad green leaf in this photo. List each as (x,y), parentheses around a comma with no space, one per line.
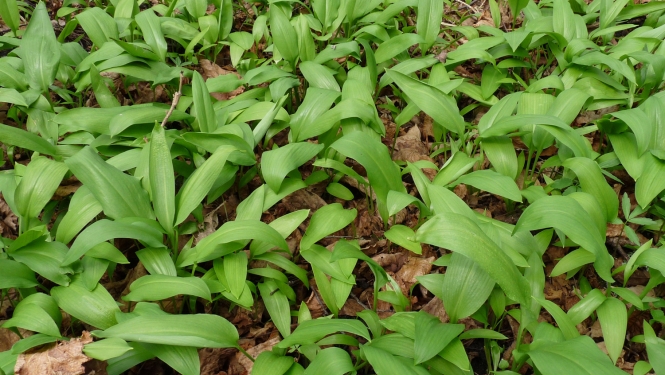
(579,356)
(459,233)
(465,288)
(382,172)
(104,230)
(40,50)
(655,349)
(45,258)
(396,45)
(311,331)
(441,107)
(491,80)
(428,22)
(95,307)
(162,180)
(564,322)
(573,260)
(277,305)
(119,194)
(319,76)
(235,269)
(16,275)
(103,95)
(131,358)
(501,153)
(141,115)
(157,261)
(567,215)
(454,167)
(651,181)
(200,182)
(385,363)
(152,32)
(613,321)
(184,359)
(340,191)
(492,182)
(584,308)
(30,315)
(231,231)
(12,96)
(10,77)
(276,164)
(106,349)
(642,127)
(333,361)
(23,139)
(593,182)
(326,220)
(432,336)
(405,237)
(284,35)
(98,25)
(40,181)
(159,287)
(598,58)
(10,15)
(202,109)
(83,207)
(269,363)
(198,330)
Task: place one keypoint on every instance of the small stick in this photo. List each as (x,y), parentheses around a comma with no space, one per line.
(176,99)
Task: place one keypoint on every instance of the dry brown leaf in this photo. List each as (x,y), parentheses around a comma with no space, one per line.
(435,307)
(212,70)
(413,268)
(254,352)
(65,358)
(303,199)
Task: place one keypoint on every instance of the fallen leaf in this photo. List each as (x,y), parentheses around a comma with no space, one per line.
(65,357)
(435,307)
(255,351)
(414,267)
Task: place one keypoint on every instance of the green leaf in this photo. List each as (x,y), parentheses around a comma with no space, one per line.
(655,349)
(40,50)
(231,231)
(83,207)
(235,269)
(200,182)
(16,275)
(403,236)
(23,139)
(157,261)
(159,287)
(269,363)
(593,182)
(492,182)
(198,330)
(651,181)
(95,307)
(597,58)
(501,154)
(106,349)
(184,359)
(319,76)
(202,109)
(432,336)
(276,164)
(141,115)
(162,180)
(311,331)
(152,32)
(98,25)
(340,191)
(564,322)
(30,315)
(385,363)
(326,220)
(333,361)
(579,356)
(284,35)
(382,172)
(10,15)
(40,180)
(277,305)
(613,321)
(119,194)
(441,107)
(102,93)
(45,258)
(567,215)
(104,230)
(573,260)
(459,233)
(428,22)
(396,45)
(465,288)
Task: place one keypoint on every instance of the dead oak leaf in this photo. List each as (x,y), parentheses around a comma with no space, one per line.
(65,358)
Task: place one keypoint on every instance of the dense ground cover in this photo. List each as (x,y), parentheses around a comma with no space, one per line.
(332,186)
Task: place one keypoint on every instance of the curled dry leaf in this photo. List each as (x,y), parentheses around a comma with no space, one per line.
(414,267)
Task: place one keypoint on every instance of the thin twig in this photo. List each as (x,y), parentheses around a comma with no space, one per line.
(176,99)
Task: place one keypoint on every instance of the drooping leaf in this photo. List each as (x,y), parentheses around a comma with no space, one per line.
(492,182)
(311,331)
(276,164)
